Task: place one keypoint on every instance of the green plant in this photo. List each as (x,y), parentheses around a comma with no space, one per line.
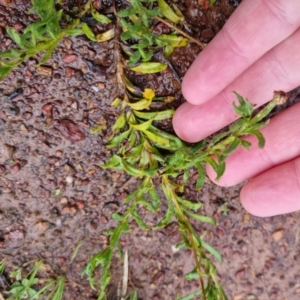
(26,287)
(136,24)
(139,144)
(43,36)
(224,209)
(2,266)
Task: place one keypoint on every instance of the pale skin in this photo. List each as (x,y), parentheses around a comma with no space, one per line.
(256,53)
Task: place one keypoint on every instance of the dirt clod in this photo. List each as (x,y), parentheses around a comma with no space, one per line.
(16,168)
(45,71)
(47,109)
(70,130)
(277,235)
(69,58)
(42,226)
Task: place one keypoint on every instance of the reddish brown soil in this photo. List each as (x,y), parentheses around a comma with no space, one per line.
(54,194)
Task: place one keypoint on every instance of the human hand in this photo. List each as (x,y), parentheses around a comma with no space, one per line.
(255,53)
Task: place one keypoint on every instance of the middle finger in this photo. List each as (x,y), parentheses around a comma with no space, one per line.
(279,69)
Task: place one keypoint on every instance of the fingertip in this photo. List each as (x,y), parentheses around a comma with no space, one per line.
(274,192)
(225,181)
(183,124)
(255,200)
(251,202)
(191,89)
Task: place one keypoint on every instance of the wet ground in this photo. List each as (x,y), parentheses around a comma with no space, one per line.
(54,194)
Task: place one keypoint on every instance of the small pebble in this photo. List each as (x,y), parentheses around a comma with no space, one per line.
(69,179)
(277,235)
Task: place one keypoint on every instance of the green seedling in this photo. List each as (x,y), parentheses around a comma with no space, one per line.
(42,37)
(27,287)
(137,22)
(224,209)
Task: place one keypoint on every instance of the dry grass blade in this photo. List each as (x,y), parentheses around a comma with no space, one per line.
(125,276)
(75,252)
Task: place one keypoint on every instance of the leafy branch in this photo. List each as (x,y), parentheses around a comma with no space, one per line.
(139,144)
(137,23)
(42,37)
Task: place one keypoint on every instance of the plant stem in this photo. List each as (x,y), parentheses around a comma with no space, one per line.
(202,45)
(189,231)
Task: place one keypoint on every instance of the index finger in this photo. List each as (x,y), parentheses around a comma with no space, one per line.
(254,28)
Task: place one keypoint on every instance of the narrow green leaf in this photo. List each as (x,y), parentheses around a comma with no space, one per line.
(153,151)
(170,211)
(133,295)
(100,18)
(132,170)
(134,58)
(168,50)
(97,129)
(74,31)
(192,275)
(200,218)
(112,162)
(126,12)
(199,146)
(213,163)
(117,217)
(245,109)
(154,197)
(218,138)
(232,147)
(221,170)
(175,142)
(2,266)
(13,53)
(147,204)
(218,168)
(185,176)
(116,102)
(120,122)
(246,144)
(172,39)
(149,67)
(4,71)
(48,53)
(15,36)
(88,32)
(75,252)
(139,221)
(201,176)
(238,125)
(259,136)
(115,141)
(143,126)
(144,159)
(157,116)
(158,140)
(168,12)
(190,204)
(139,105)
(105,36)
(212,250)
